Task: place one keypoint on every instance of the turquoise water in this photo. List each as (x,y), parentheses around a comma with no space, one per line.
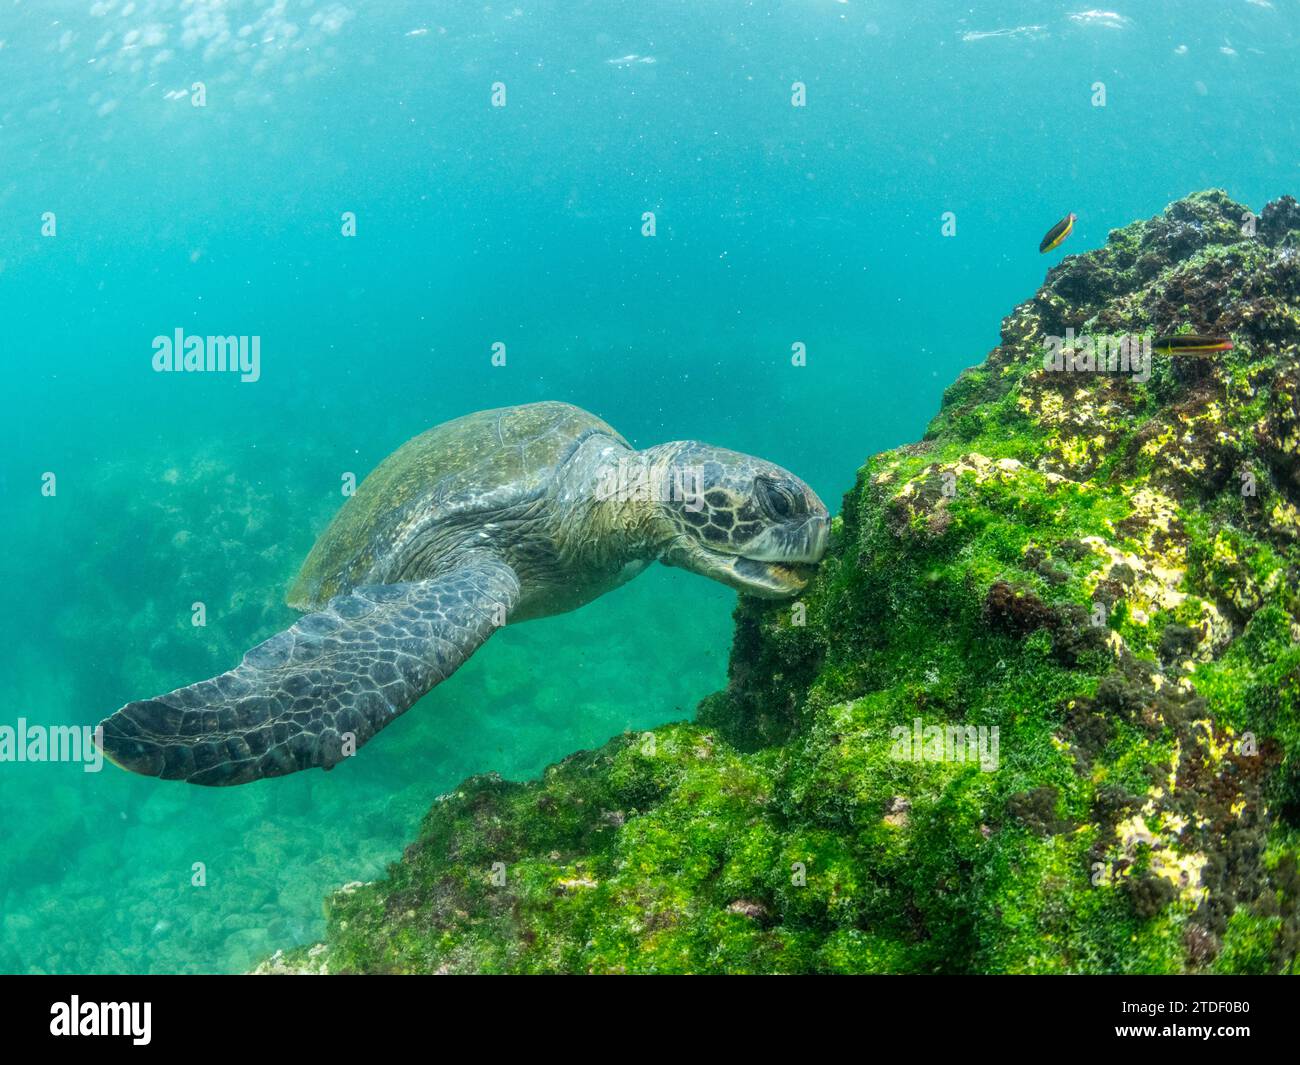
(476,224)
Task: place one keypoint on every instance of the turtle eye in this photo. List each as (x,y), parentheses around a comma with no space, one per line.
(780,498)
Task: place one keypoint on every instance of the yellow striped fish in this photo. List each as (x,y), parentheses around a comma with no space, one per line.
(1057,233)
(1190,344)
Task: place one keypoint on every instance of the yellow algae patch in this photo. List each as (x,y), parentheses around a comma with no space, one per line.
(1150,587)
(1224,550)
(1158,444)
(983,468)
(917,500)
(1134,833)
(1215,750)
(1075,450)
(1157,514)
(1183,871)
(1046,402)
(1285,518)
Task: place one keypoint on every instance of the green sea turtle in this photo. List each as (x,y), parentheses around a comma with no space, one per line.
(502,515)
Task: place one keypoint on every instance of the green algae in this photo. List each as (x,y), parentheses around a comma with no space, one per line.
(1071,558)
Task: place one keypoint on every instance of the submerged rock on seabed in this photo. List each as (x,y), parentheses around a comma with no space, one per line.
(1101,568)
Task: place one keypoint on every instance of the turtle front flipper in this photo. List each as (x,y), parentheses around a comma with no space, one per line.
(318,691)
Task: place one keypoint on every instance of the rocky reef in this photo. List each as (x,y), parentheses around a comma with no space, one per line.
(1039,712)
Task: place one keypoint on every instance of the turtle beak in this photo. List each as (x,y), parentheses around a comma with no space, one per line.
(784,571)
(793,543)
(769,580)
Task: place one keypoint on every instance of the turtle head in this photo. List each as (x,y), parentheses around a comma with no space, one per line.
(742,521)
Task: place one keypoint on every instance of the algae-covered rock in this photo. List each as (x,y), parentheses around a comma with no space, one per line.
(1039,711)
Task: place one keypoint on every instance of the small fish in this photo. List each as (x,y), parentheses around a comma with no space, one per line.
(1057,233)
(1190,344)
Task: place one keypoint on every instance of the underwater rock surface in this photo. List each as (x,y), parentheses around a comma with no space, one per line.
(1102,566)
